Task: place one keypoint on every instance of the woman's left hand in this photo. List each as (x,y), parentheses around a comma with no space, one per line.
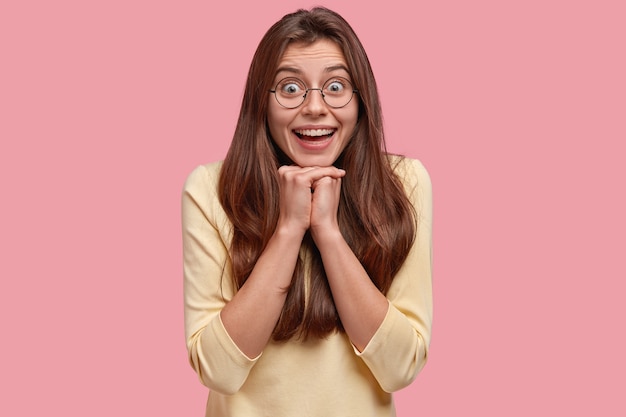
(324,205)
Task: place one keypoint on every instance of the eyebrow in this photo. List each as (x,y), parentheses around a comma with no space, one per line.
(298,71)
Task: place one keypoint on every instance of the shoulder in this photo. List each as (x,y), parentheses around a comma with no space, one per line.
(411,173)
(200,192)
(201,183)
(204,176)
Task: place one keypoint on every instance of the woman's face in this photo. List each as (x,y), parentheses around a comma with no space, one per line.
(313,134)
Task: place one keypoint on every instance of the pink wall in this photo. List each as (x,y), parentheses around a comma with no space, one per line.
(516,108)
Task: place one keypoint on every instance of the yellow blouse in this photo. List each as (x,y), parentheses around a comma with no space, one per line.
(317,378)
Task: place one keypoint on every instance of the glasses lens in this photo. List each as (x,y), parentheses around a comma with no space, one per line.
(337,92)
(290,92)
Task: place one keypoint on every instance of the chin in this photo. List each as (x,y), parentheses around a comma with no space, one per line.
(314,161)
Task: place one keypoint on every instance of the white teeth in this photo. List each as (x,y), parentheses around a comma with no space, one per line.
(315,132)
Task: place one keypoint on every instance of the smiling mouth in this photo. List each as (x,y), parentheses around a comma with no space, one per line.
(314,134)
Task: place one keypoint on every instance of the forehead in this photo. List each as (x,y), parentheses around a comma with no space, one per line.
(319,56)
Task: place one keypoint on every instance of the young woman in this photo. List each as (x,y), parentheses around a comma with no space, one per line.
(307,251)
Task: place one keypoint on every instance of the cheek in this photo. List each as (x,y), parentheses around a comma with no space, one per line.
(276,121)
(351,118)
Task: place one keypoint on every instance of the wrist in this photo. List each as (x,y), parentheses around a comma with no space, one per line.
(326,236)
(289,233)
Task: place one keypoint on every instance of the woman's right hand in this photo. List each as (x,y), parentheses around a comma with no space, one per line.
(249,327)
(296,184)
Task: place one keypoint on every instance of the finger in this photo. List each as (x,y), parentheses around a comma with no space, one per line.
(293,168)
(317,173)
(306,177)
(329,170)
(326,181)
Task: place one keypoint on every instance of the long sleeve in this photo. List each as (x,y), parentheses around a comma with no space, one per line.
(399,349)
(208,286)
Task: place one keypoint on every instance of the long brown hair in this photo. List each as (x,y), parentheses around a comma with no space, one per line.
(375,216)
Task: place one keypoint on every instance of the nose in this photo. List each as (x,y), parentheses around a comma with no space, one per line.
(313,102)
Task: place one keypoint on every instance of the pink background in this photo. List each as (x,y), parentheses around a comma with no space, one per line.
(518,110)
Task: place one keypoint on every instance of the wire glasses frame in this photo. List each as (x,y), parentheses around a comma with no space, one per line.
(336,92)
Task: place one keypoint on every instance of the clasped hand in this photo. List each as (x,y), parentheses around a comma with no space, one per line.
(309,198)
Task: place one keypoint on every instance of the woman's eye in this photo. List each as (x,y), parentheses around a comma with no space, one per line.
(335,87)
(291,88)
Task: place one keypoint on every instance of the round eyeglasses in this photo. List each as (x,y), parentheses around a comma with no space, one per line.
(291,92)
